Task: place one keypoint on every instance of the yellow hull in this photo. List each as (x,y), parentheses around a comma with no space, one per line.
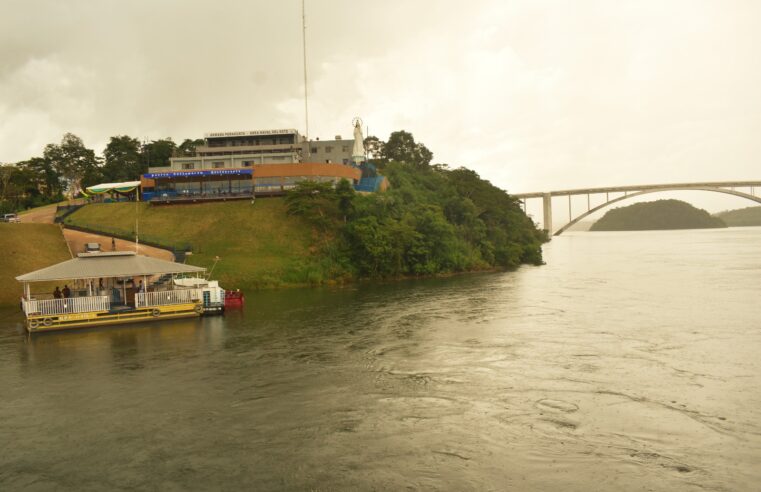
(40,323)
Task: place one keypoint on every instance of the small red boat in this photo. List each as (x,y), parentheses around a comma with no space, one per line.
(234,299)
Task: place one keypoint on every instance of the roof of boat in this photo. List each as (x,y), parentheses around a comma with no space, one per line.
(106,265)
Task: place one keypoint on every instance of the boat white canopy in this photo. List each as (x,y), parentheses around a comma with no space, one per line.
(108,265)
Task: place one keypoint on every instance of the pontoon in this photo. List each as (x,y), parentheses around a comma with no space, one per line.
(115,287)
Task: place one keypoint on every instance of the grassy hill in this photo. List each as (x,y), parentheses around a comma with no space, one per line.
(433,220)
(750,216)
(25,248)
(657,215)
(259,245)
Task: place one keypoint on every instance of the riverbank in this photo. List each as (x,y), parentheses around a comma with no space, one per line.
(25,248)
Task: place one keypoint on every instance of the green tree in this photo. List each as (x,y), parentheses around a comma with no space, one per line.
(314,201)
(122,159)
(158,152)
(401,147)
(6,174)
(43,176)
(345,194)
(188,147)
(72,160)
(374,147)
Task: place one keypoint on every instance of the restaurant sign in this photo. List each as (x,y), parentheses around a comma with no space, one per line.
(206,172)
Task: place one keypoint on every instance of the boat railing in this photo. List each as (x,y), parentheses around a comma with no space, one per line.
(66,305)
(167,297)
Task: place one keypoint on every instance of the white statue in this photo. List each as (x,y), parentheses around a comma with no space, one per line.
(358,153)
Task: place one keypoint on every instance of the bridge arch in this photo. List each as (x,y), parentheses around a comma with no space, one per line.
(589,212)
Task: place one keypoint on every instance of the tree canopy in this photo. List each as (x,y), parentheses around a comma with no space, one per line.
(433,219)
(77,164)
(123,160)
(401,147)
(69,166)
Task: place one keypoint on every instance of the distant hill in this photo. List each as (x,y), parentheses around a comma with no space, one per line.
(657,215)
(750,216)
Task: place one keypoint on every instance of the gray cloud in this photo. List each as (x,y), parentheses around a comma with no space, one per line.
(533,95)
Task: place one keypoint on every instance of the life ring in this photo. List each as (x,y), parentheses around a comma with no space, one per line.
(33,323)
(47,321)
(155,313)
(198,309)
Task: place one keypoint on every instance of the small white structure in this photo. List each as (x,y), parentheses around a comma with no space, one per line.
(358,153)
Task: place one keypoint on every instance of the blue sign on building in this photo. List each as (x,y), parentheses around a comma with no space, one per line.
(208,172)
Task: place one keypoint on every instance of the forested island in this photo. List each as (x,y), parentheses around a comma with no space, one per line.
(657,215)
(743,217)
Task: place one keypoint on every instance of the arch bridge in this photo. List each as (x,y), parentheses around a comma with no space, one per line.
(614,194)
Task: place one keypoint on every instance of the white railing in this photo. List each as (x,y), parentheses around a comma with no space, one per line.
(166,297)
(66,306)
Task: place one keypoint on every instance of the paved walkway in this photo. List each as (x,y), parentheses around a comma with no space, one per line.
(42,215)
(46,214)
(77,240)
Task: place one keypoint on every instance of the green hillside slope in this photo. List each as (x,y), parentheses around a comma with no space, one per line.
(433,220)
(25,248)
(259,245)
(750,216)
(657,215)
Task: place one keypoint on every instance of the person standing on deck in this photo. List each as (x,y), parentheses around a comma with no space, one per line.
(66,291)
(57,293)
(113,244)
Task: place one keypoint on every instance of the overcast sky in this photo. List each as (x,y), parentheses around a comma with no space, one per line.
(534,95)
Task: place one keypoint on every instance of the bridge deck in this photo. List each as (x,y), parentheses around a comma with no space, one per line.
(614,189)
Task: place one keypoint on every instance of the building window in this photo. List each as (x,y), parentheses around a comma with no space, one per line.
(345,148)
(247,163)
(328,149)
(188,165)
(218,165)
(313,150)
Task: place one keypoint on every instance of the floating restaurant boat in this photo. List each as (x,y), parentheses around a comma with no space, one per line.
(116,287)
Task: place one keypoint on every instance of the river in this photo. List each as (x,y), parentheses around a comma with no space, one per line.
(629,362)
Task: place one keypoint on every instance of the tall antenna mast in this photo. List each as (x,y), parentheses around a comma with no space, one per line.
(306,97)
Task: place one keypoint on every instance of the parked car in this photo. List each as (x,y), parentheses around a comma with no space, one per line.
(13,218)
(92,248)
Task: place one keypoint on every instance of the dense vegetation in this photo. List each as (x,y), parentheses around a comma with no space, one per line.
(432,220)
(27,247)
(749,216)
(70,166)
(657,215)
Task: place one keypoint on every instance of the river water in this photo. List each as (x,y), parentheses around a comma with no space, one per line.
(629,362)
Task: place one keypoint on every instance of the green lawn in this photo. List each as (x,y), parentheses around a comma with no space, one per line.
(23,249)
(259,245)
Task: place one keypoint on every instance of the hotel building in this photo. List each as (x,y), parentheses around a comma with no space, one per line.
(243,164)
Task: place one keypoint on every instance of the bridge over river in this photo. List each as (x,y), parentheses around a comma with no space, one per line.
(613,194)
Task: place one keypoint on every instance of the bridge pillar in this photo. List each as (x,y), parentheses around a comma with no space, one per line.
(547,208)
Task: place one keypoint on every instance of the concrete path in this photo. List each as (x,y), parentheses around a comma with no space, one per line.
(46,213)
(77,239)
(42,215)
